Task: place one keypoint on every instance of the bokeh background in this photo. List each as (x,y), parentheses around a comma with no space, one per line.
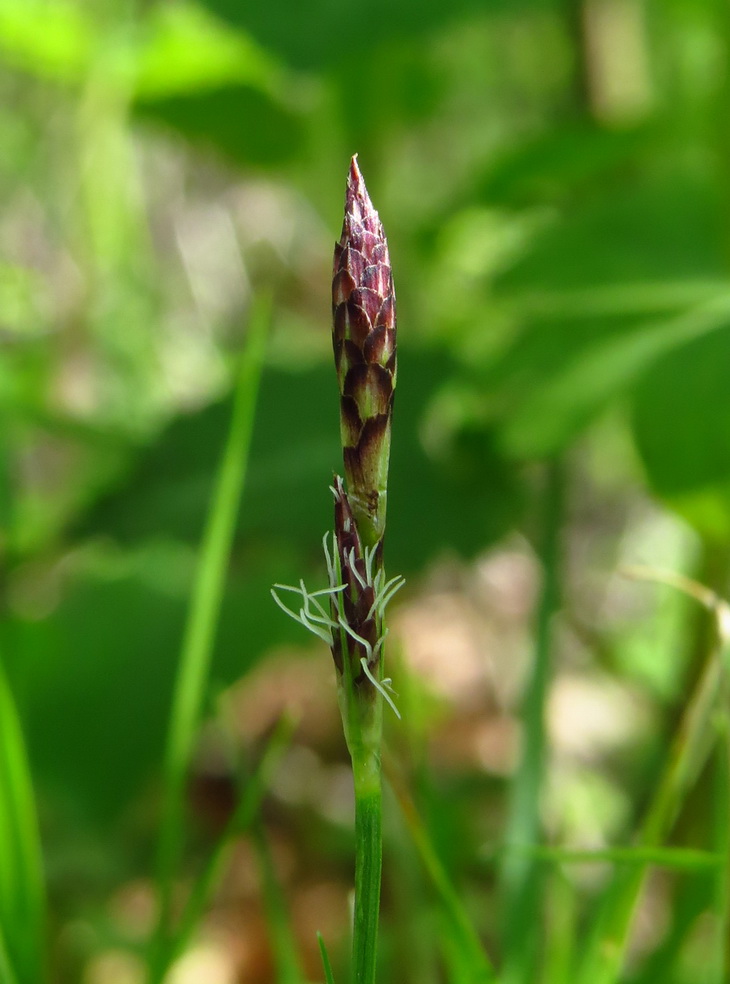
(553,176)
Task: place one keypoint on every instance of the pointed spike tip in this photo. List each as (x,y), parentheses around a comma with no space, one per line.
(355,176)
(358,205)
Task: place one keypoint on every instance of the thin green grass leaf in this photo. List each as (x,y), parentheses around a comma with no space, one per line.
(22,896)
(671,858)
(610,935)
(561,919)
(197,646)
(248,806)
(461,930)
(329,977)
(521,874)
(626,299)
(7,974)
(719,956)
(698,731)
(278,921)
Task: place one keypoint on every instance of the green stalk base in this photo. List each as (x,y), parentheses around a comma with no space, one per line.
(368,864)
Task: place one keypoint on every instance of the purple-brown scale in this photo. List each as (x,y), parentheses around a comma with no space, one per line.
(358,596)
(364,341)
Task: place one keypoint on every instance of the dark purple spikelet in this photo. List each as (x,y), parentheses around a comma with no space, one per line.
(364,339)
(359,594)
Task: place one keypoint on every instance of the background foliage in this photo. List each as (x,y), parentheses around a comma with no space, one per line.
(553,176)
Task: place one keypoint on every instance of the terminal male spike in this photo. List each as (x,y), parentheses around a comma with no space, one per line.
(364,340)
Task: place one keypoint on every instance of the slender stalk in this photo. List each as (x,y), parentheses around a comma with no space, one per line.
(363,726)
(368,864)
(197,647)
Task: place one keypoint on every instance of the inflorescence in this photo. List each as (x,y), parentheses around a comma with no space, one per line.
(315,618)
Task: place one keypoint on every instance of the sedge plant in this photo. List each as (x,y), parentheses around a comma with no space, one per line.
(349,614)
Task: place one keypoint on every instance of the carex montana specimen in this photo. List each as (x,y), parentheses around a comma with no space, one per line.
(349,613)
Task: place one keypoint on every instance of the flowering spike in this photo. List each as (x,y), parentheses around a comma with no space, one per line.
(364,341)
(358,599)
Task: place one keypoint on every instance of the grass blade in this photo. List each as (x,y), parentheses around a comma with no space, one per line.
(671,858)
(243,816)
(282,939)
(197,646)
(7,974)
(462,931)
(329,977)
(693,742)
(22,900)
(719,965)
(521,873)
(561,929)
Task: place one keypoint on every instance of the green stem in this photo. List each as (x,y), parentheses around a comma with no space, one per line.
(362,721)
(368,863)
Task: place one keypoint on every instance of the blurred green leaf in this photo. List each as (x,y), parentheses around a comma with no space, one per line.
(51,39)
(563,391)
(660,223)
(188,50)
(178,47)
(462,498)
(565,365)
(707,510)
(112,644)
(214,85)
(562,162)
(184,67)
(244,123)
(681,416)
(325,32)
(24,304)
